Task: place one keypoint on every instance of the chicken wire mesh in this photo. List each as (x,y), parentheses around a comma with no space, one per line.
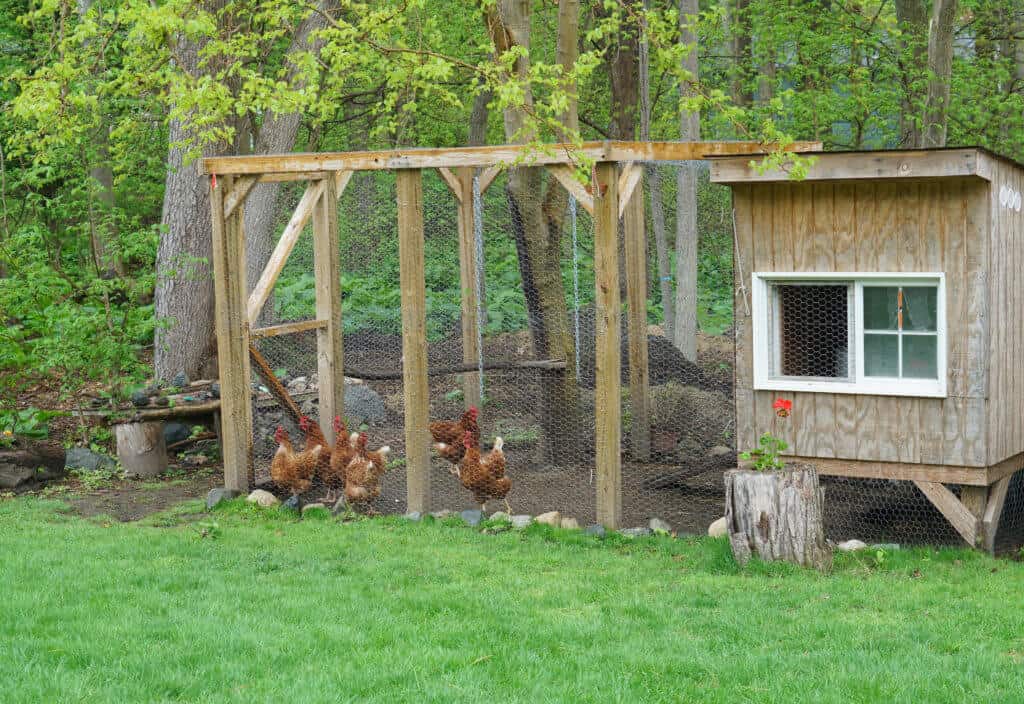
(546,417)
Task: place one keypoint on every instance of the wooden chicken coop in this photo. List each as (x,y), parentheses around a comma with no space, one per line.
(883,295)
(618,169)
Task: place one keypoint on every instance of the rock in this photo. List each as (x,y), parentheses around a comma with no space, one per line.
(441,515)
(886,546)
(596,529)
(292,503)
(851,545)
(220,494)
(85,459)
(176,432)
(521,521)
(162,401)
(308,407)
(472,516)
(570,523)
(718,529)
(140,399)
(499,516)
(314,507)
(659,526)
(215,389)
(363,405)
(262,498)
(27,466)
(551,518)
(197,460)
(179,380)
(298,385)
(635,532)
(413,516)
(720,451)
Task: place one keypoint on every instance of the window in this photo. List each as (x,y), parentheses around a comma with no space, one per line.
(859,333)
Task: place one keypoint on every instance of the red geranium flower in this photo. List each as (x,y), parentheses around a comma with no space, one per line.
(782,407)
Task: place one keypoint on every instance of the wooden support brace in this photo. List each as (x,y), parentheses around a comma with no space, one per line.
(487,177)
(567,177)
(238,194)
(327,271)
(468,283)
(636,325)
(993,511)
(963,521)
(608,355)
(288,328)
(454,184)
(630,177)
(409,184)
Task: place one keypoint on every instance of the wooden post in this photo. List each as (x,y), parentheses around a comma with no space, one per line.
(993,511)
(974,499)
(232,326)
(636,296)
(327,270)
(608,392)
(467,278)
(414,338)
(141,448)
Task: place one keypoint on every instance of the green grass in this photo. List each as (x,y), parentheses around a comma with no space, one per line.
(250,607)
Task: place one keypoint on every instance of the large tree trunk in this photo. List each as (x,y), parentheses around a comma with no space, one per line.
(940,68)
(777,515)
(912,17)
(741,44)
(685,328)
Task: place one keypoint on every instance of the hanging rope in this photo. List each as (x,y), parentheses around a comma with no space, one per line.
(575,284)
(478,246)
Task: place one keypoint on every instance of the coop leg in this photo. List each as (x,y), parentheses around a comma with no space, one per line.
(994,509)
(959,516)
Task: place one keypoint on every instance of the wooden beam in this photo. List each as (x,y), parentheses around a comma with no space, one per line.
(232,328)
(454,184)
(993,511)
(279,257)
(330,354)
(292,176)
(288,328)
(468,282)
(243,185)
(567,177)
(635,245)
(505,155)
(608,355)
(963,521)
(341,179)
(628,180)
(541,365)
(414,338)
(909,471)
(487,177)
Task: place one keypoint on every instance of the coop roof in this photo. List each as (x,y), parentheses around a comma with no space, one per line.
(888,164)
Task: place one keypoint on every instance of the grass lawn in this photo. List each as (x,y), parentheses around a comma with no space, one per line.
(250,607)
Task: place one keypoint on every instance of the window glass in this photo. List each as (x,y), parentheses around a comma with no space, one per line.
(881,355)
(919,356)
(880,306)
(920,306)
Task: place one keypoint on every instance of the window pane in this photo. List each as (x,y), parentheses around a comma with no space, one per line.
(881,355)
(813,330)
(920,358)
(880,307)
(920,304)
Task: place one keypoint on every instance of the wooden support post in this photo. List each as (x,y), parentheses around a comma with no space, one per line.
(993,511)
(330,356)
(608,392)
(974,499)
(965,522)
(414,338)
(636,325)
(232,326)
(467,278)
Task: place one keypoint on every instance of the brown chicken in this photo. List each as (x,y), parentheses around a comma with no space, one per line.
(448,435)
(293,470)
(344,450)
(362,476)
(314,438)
(484,476)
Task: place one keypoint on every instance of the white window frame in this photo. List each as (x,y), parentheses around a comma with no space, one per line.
(763,339)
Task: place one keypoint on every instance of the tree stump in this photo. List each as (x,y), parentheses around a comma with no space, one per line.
(141,448)
(777,515)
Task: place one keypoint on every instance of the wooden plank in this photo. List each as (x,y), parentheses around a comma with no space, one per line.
(468,283)
(870,469)
(330,354)
(993,511)
(243,185)
(857,165)
(409,183)
(285,245)
(636,323)
(455,184)
(232,328)
(288,328)
(567,177)
(965,523)
(629,179)
(743,371)
(608,395)
(487,177)
(526,154)
(296,176)
(1005,468)
(844,208)
(341,179)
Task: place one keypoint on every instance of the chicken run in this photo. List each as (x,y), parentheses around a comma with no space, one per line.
(521,363)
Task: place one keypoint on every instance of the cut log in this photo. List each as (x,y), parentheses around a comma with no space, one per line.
(28,465)
(141,449)
(777,515)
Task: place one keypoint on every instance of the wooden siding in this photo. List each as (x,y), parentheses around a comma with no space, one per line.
(912,225)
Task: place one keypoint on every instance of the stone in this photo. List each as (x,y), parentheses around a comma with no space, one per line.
(441,515)
(413,516)
(363,405)
(570,523)
(308,407)
(140,399)
(596,529)
(885,546)
(659,526)
(262,498)
(176,432)
(85,459)
(718,529)
(551,518)
(179,380)
(499,516)
(314,507)
(521,521)
(851,545)
(215,496)
(720,451)
(636,532)
(292,503)
(162,401)
(215,389)
(298,385)
(472,516)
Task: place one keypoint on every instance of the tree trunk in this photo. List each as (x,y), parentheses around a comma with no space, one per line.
(940,68)
(777,515)
(141,448)
(741,43)
(912,18)
(685,328)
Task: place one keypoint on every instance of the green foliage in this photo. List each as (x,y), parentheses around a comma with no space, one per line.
(28,423)
(767,453)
